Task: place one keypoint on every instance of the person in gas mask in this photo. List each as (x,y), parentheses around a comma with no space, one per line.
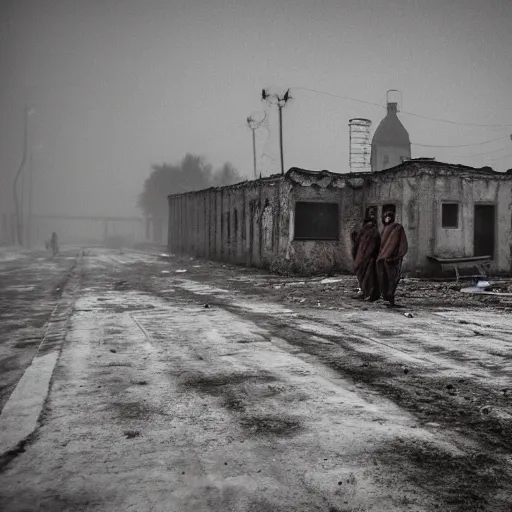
(365,249)
(393,248)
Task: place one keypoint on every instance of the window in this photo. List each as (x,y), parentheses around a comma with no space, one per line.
(388,208)
(450,215)
(316,221)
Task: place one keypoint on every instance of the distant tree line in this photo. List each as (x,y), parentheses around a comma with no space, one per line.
(192,173)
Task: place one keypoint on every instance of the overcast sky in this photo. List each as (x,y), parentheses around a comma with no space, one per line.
(118,85)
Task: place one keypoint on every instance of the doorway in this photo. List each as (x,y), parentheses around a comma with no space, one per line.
(484,240)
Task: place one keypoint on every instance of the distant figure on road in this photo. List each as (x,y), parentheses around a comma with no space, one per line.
(365,249)
(393,248)
(54,243)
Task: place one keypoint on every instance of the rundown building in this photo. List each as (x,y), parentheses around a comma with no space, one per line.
(302,221)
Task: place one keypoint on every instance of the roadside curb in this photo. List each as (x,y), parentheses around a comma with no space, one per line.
(21,414)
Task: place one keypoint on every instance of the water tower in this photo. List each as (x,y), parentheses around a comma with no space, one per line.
(360,146)
(390,144)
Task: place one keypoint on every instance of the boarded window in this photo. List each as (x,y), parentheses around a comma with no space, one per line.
(316,221)
(450,215)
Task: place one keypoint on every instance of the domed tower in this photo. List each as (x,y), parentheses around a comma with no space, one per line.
(390,144)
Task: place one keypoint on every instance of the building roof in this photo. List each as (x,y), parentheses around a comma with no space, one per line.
(409,168)
(413,166)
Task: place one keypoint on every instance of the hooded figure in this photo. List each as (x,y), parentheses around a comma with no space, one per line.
(393,248)
(365,248)
(54,243)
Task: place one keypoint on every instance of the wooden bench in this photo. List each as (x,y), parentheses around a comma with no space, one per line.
(481,263)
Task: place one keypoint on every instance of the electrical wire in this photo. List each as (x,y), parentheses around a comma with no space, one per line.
(339,96)
(500,158)
(482,153)
(460,123)
(459,145)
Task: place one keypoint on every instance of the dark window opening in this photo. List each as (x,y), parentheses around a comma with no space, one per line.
(229,227)
(484,230)
(450,215)
(236,221)
(388,208)
(316,221)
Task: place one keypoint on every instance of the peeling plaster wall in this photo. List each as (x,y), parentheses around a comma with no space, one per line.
(252,223)
(468,192)
(241,223)
(419,197)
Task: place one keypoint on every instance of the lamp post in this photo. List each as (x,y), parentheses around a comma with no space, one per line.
(30,193)
(19,219)
(254,125)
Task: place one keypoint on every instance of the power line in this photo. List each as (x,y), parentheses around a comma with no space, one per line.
(501,158)
(339,96)
(459,145)
(483,152)
(460,123)
(456,122)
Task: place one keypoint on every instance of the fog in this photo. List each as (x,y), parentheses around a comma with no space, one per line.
(117,87)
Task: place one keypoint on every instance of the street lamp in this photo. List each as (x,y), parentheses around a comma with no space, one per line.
(254,124)
(30,194)
(19,220)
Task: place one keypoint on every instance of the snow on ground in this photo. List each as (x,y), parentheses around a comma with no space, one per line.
(217,386)
(31,283)
(161,403)
(8,253)
(428,341)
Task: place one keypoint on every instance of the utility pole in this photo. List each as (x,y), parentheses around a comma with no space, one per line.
(281,134)
(254,150)
(19,220)
(22,204)
(30,196)
(254,125)
(281,102)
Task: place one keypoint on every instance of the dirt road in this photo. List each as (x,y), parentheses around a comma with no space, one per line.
(225,389)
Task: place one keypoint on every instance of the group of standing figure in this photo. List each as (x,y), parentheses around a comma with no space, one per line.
(378,257)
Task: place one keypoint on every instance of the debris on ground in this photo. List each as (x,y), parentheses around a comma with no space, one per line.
(329,280)
(130,434)
(180,271)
